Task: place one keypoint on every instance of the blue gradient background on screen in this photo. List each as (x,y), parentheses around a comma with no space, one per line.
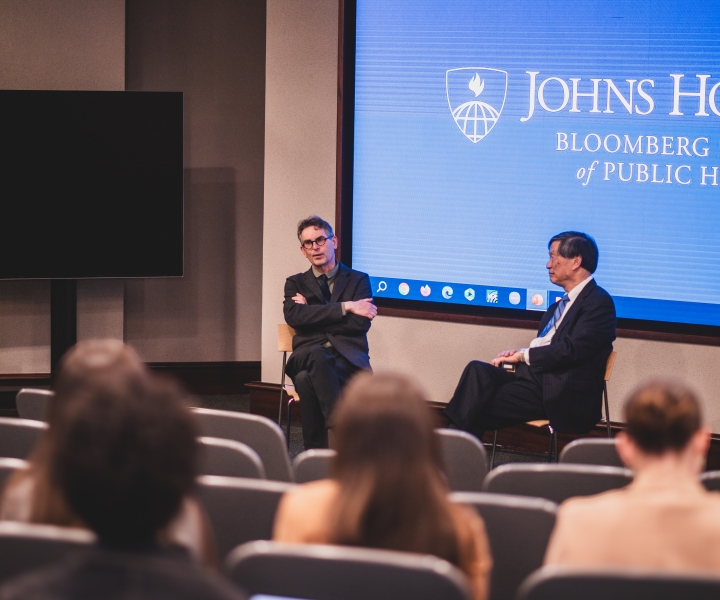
(428,204)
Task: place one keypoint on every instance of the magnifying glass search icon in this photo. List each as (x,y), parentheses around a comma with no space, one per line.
(382,286)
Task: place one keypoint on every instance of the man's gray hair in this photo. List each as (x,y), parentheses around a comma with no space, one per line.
(314,221)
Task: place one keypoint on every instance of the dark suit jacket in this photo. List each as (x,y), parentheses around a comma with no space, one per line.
(318,322)
(571,369)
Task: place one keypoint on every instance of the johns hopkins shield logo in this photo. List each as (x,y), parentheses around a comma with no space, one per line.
(476,97)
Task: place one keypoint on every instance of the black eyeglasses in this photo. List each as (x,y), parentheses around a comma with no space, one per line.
(308,244)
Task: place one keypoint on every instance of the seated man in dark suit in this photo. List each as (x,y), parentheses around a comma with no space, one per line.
(560,375)
(330,307)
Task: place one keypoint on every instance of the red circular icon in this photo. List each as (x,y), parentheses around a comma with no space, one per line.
(538,300)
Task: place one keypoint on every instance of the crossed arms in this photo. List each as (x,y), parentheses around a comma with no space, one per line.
(354,320)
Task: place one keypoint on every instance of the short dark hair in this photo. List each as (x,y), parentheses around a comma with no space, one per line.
(126,457)
(314,221)
(575,243)
(662,416)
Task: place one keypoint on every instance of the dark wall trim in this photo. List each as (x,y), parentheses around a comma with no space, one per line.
(265,401)
(345,129)
(223,378)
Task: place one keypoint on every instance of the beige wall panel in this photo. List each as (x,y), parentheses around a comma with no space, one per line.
(62,44)
(24,326)
(100,309)
(300,121)
(213,51)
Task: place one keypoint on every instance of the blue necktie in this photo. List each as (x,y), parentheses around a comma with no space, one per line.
(556,316)
(324,287)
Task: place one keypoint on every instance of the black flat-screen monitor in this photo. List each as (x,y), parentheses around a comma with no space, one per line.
(91,184)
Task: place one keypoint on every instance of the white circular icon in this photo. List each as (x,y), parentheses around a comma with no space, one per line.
(425,290)
(404,288)
(514,298)
(469,294)
(447,292)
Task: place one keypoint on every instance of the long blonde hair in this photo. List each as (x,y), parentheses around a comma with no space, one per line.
(393,494)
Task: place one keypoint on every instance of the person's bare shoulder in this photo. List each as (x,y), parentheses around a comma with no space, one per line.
(303,512)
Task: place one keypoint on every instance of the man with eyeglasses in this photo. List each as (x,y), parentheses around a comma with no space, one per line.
(330,307)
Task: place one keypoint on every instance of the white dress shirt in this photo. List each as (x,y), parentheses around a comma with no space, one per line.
(547,338)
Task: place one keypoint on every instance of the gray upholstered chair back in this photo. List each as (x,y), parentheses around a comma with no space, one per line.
(31,403)
(332,572)
(592,451)
(312,465)
(229,458)
(464,456)
(465,460)
(18,437)
(8,466)
(518,530)
(555,482)
(558,583)
(25,547)
(711,480)
(261,434)
(240,510)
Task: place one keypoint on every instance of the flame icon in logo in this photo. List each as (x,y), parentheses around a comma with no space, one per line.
(474,117)
(476,85)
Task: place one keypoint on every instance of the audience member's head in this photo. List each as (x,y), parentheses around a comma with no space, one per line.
(79,368)
(389,468)
(87,362)
(664,421)
(125,449)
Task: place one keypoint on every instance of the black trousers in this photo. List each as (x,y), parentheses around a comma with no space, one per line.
(488,398)
(319,374)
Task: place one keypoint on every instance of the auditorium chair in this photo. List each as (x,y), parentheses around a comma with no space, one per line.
(518,529)
(464,457)
(31,403)
(711,480)
(592,451)
(229,458)
(313,465)
(261,434)
(552,448)
(8,466)
(570,583)
(240,510)
(18,437)
(318,572)
(555,482)
(27,547)
(285,337)
(465,460)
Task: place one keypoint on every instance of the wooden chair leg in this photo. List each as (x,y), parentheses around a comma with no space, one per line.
(607,410)
(282,389)
(492,455)
(550,447)
(287,430)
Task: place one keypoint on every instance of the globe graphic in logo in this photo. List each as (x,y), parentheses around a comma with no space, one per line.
(476,115)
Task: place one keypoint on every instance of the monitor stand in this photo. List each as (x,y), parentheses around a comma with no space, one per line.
(63,319)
